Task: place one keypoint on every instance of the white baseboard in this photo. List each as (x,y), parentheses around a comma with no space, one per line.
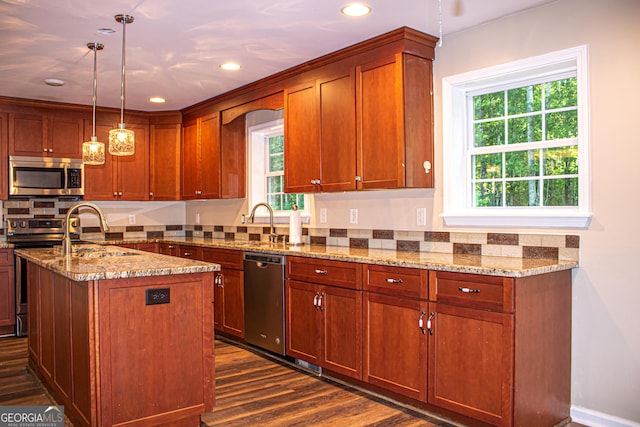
(593,418)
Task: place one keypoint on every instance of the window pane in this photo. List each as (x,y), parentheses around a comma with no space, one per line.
(524,99)
(301,202)
(274,184)
(522,163)
(489,133)
(561,192)
(488,194)
(522,193)
(488,105)
(561,161)
(289,201)
(561,93)
(487,166)
(563,124)
(276,144)
(276,162)
(525,129)
(275,200)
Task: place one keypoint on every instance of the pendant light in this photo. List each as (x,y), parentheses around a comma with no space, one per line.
(122,140)
(93,151)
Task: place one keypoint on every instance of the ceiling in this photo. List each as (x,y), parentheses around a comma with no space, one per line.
(174,48)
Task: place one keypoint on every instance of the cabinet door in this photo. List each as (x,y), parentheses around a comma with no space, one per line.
(303,337)
(380,118)
(99,180)
(27,134)
(65,135)
(395,348)
(471,362)
(190,162)
(230,302)
(164,162)
(209,158)
(301,140)
(133,171)
(233,158)
(169,249)
(7,296)
(4,125)
(342,331)
(338,133)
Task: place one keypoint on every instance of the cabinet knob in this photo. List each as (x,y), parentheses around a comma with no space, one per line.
(318,271)
(150,194)
(391,280)
(358,179)
(115,194)
(120,193)
(187,254)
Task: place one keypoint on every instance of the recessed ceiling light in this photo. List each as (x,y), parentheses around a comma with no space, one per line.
(54,82)
(230,66)
(356,9)
(157,100)
(106,31)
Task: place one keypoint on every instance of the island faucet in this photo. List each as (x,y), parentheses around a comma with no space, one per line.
(273,237)
(66,240)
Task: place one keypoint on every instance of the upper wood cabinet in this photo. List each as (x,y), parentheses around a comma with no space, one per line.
(164,162)
(364,122)
(201,158)
(120,177)
(4,162)
(47,133)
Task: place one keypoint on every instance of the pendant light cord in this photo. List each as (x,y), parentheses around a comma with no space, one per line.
(95,83)
(124,32)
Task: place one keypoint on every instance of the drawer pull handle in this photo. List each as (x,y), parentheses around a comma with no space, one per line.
(469,291)
(390,280)
(316,301)
(318,271)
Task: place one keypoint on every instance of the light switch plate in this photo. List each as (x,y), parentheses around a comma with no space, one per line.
(421,216)
(323,215)
(353,216)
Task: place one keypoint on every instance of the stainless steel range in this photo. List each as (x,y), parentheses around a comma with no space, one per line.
(33,233)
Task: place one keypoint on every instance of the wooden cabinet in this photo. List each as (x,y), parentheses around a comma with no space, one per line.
(229,290)
(46,133)
(164,162)
(190,252)
(324,314)
(168,249)
(395,310)
(120,177)
(320,133)
(500,348)
(201,158)
(233,159)
(106,330)
(7,293)
(4,161)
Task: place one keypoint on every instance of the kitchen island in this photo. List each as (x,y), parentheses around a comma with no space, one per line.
(120,336)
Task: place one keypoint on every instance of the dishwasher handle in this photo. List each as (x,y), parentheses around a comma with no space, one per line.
(262,260)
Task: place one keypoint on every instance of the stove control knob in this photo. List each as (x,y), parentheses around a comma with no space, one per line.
(23,224)
(14,224)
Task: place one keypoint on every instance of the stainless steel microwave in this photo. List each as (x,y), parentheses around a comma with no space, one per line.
(45,176)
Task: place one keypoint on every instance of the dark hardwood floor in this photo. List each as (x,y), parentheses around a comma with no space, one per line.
(251,389)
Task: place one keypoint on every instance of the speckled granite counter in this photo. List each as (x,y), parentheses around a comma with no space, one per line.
(5,245)
(98,262)
(476,264)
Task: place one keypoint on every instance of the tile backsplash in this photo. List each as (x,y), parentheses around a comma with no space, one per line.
(517,245)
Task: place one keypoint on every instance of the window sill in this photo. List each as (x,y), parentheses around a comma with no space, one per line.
(517,220)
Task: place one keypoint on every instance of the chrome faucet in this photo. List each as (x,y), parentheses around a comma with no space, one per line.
(273,237)
(66,240)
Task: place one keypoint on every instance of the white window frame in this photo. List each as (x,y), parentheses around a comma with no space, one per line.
(258,153)
(458,208)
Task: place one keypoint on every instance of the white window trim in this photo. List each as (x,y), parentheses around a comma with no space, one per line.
(456,195)
(256,159)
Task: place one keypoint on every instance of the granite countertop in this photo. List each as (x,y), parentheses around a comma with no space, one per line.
(98,262)
(475,264)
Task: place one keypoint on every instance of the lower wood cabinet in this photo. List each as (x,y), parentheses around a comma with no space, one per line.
(324,322)
(229,290)
(7,292)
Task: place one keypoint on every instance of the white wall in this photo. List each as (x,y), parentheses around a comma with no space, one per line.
(606,319)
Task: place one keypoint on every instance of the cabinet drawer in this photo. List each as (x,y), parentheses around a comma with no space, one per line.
(6,256)
(227,258)
(472,290)
(398,281)
(326,272)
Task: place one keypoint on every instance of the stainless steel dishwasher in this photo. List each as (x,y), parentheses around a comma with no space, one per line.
(264,301)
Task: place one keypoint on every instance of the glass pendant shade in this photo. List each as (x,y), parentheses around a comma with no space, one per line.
(93,150)
(122,141)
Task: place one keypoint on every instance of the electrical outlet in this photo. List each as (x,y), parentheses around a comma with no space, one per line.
(421,216)
(132,219)
(323,215)
(353,216)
